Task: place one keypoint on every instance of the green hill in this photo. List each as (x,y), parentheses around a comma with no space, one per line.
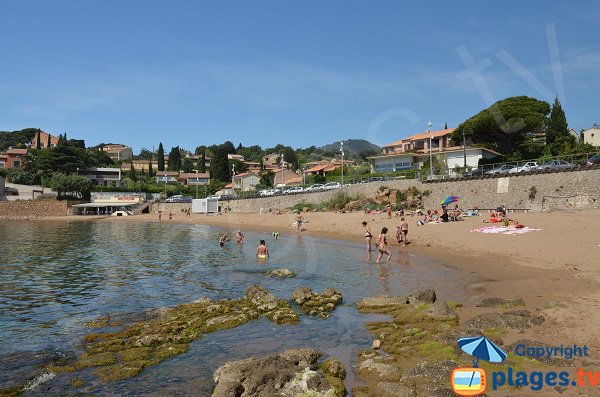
(16,138)
(353,148)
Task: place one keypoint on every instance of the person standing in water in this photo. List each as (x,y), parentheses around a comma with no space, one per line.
(262,252)
(299,221)
(223,239)
(383,246)
(239,237)
(368,235)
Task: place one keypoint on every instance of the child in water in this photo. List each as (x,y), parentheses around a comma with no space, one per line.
(276,235)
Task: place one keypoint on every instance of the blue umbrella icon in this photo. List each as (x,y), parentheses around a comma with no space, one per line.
(482,348)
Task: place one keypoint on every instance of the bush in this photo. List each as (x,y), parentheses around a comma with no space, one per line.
(71,186)
(21,177)
(339,200)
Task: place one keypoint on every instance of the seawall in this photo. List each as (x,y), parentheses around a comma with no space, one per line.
(29,209)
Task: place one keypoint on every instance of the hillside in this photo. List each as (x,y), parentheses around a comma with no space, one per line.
(16,138)
(353,148)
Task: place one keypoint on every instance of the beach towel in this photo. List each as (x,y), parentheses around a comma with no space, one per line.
(504,230)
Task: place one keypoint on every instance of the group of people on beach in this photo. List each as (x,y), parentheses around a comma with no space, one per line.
(381,243)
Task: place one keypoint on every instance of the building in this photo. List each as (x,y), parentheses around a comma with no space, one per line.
(271,160)
(252,166)
(139,165)
(196,158)
(592,135)
(102,176)
(117,152)
(12,158)
(194,178)
(166,176)
(235,157)
(412,152)
(286,178)
(246,181)
(44,140)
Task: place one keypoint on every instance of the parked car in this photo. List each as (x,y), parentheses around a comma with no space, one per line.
(556,165)
(267,192)
(499,170)
(331,186)
(232,196)
(375,179)
(594,160)
(527,167)
(179,199)
(215,196)
(295,189)
(476,172)
(314,188)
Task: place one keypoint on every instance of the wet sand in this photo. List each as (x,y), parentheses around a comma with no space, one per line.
(553,270)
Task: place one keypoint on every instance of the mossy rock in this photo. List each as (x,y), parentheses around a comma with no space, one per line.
(87,360)
(77,382)
(169,350)
(119,371)
(135,354)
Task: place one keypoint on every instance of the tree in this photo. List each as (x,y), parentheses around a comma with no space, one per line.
(49,142)
(261,164)
(228,147)
(160,157)
(201,166)
(508,126)
(558,138)
(219,165)
(77,186)
(38,144)
(132,174)
(239,166)
(174,163)
(145,154)
(150,169)
(267,178)
(187,165)
(446,126)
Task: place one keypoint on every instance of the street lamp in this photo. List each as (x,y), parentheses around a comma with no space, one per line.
(233,176)
(342,151)
(430,155)
(282,163)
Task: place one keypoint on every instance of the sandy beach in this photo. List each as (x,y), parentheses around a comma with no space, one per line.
(552,269)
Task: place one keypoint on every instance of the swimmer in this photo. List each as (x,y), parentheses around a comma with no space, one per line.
(223,239)
(276,235)
(262,252)
(239,237)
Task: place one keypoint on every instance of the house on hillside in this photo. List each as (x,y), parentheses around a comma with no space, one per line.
(166,176)
(102,176)
(412,152)
(237,157)
(245,181)
(592,135)
(252,166)
(271,160)
(12,158)
(196,158)
(194,178)
(117,151)
(139,165)
(44,140)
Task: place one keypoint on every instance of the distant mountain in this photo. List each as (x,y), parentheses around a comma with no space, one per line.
(353,148)
(16,138)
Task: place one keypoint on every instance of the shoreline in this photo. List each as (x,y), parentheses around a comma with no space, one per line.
(526,266)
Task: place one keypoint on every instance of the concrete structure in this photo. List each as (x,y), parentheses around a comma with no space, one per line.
(16,192)
(194,178)
(140,165)
(576,189)
(246,181)
(205,206)
(102,176)
(31,209)
(166,176)
(412,152)
(44,140)
(592,135)
(117,151)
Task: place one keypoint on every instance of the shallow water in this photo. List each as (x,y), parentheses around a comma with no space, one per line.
(54,277)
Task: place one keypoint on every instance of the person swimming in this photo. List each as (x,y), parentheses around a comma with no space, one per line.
(223,239)
(262,252)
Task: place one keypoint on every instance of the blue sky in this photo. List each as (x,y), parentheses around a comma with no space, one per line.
(299,73)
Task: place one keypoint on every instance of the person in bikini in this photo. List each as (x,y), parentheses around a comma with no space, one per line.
(239,237)
(368,235)
(262,252)
(299,220)
(383,246)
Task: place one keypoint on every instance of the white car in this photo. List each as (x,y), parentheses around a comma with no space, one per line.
(530,166)
(295,189)
(267,193)
(331,186)
(314,188)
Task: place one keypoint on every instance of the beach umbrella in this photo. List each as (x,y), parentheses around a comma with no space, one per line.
(482,348)
(449,199)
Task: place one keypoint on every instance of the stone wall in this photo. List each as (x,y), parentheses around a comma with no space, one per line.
(572,189)
(174,208)
(28,209)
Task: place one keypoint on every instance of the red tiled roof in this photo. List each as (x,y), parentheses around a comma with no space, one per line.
(243,174)
(189,175)
(167,173)
(16,151)
(423,135)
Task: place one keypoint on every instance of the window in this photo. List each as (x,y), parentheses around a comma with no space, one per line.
(2,164)
(16,164)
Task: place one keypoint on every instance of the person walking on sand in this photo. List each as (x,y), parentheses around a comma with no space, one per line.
(403,232)
(368,236)
(239,237)
(389,211)
(299,221)
(170,216)
(383,246)
(262,252)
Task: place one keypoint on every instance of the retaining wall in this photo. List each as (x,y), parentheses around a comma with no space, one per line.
(32,209)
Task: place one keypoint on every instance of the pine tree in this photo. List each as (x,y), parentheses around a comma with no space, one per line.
(150,170)
(132,174)
(174,163)
(49,142)
(38,144)
(219,165)
(558,138)
(201,166)
(160,157)
(446,126)
(261,164)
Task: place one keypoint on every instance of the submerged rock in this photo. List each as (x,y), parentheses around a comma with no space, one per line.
(281,273)
(501,303)
(291,373)
(315,304)
(516,319)
(425,296)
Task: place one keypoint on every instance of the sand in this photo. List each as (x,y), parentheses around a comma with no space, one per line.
(555,269)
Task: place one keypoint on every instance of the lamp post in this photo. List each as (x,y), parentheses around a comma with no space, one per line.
(233,176)
(342,151)
(430,155)
(282,163)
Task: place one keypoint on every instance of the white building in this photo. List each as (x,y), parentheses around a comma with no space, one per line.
(246,181)
(167,176)
(412,152)
(102,176)
(592,135)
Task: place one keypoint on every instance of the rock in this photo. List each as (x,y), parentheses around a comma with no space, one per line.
(441,311)
(334,368)
(376,344)
(380,301)
(426,296)
(501,303)
(202,301)
(282,273)
(259,295)
(516,319)
(291,373)
(315,304)
(392,389)
(379,368)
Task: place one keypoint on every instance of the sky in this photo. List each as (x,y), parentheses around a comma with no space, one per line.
(299,73)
